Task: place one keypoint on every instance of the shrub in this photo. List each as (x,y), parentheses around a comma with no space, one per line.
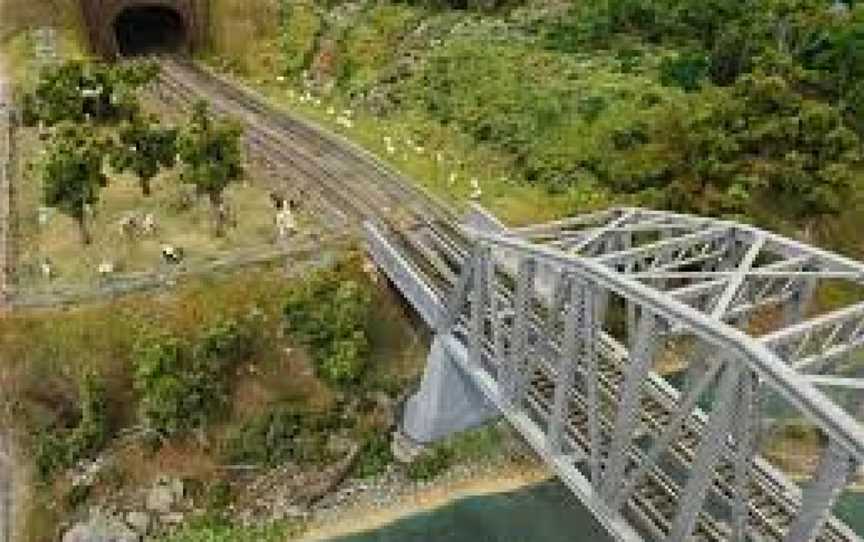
(57,449)
(430,464)
(374,457)
(328,315)
(279,436)
(181,386)
(686,70)
(216,529)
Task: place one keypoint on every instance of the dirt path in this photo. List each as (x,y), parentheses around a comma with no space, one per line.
(6,467)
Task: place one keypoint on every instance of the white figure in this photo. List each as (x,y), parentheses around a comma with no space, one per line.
(47,269)
(148,225)
(106,268)
(171,254)
(476,191)
(286,223)
(129,225)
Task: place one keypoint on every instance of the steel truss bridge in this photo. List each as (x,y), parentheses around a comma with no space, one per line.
(567,327)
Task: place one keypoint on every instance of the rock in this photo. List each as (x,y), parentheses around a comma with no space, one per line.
(140,521)
(159,499)
(174,518)
(101,529)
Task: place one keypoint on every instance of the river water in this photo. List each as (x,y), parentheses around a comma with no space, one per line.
(547,512)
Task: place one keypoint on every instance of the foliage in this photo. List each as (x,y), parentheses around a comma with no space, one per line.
(686,70)
(374,457)
(301,25)
(72,173)
(58,448)
(430,464)
(212,157)
(144,149)
(216,529)
(76,91)
(758,140)
(281,435)
(182,385)
(328,314)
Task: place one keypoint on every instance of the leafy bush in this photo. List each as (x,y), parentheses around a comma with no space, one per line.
(686,70)
(216,529)
(374,457)
(430,464)
(58,449)
(759,141)
(181,386)
(279,436)
(328,313)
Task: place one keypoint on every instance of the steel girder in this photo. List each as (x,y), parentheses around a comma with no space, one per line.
(543,333)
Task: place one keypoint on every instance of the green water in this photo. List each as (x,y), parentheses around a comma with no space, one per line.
(547,512)
(544,513)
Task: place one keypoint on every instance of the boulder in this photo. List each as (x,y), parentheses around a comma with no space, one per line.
(140,521)
(160,499)
(101,529)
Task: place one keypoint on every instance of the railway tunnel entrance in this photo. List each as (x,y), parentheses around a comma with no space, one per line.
(144,30)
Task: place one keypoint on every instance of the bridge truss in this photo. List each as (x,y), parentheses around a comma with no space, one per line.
(567,327)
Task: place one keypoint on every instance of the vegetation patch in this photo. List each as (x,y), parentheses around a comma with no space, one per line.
(328,314)
(131,183)
(541,110)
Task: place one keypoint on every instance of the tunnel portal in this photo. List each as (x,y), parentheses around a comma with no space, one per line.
(148,30)
(140,27)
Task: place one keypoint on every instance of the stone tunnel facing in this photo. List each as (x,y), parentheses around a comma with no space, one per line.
(145,30)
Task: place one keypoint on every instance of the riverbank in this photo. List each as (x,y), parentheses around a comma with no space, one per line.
(367,511)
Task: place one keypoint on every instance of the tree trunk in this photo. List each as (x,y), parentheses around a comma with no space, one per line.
(145,188)
(86,239)
(218,215)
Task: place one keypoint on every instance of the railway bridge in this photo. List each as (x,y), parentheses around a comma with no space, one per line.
(568,328)
(656,361)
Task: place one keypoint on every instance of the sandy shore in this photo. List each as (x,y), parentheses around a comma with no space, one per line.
(366,517)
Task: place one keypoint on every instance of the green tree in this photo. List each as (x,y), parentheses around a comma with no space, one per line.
(73,174)
(144,149)
(76,91)
(212,158)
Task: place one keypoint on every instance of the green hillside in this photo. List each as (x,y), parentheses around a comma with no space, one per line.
(728,107)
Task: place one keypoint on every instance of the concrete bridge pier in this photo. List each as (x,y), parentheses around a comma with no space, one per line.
(448,401)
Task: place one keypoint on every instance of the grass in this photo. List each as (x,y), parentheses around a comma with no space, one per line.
(47,351)
(417,146)
(17,42)
(76,265)
(246,34)
(489,66)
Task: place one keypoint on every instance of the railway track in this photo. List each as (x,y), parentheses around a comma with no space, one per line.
(348,185)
